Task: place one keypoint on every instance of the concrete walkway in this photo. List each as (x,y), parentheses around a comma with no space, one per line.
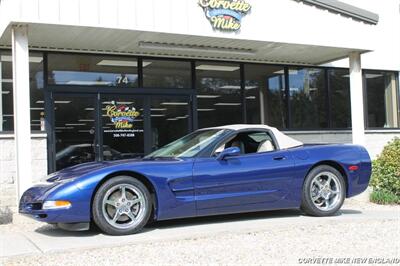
(37,238)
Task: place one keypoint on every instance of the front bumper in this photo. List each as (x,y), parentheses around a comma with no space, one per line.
(31,204)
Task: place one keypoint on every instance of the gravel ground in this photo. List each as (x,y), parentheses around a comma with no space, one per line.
(281,244)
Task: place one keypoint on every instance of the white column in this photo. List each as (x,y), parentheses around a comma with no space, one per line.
(357,99)
(1,97)
(22,114)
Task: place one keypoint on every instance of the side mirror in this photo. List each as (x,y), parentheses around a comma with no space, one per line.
(228,152)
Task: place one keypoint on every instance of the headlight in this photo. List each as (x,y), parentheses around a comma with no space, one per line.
(56,204)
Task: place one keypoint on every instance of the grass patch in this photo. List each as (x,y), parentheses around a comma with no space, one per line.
(384,197)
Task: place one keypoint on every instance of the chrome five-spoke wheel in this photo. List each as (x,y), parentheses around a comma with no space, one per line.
(324,191)
(122,205)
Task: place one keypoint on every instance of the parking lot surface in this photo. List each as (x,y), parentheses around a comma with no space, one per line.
(360,230)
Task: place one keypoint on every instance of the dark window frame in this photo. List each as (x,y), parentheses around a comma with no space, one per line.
(193,90)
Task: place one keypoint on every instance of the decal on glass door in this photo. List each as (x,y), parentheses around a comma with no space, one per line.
(122,117)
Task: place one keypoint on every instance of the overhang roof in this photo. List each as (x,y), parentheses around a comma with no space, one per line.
(134,42)
(345,9)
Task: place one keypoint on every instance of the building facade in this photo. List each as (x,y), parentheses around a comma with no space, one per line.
(99,80)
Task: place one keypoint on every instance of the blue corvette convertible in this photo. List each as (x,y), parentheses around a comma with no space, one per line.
(228,169)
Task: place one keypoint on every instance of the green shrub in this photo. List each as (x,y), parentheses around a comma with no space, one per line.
(386,172)
(384,197)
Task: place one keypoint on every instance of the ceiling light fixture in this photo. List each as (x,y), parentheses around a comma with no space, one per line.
(121,63)
(82,82)
(182,117)
(76,124)
(32,59)
(174,103)
(195,48)
(205,110)
(230,87)
(205,96)
(227,104)
(372,76)
(217,68)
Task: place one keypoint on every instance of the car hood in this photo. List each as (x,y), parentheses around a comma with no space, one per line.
(79,170)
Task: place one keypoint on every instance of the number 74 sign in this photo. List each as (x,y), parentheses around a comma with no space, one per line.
(122,79)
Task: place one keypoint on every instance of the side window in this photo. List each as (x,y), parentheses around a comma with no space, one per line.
(249,142)
(264,140)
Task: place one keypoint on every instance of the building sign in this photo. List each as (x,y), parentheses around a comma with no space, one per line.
(122,117)
(225,15)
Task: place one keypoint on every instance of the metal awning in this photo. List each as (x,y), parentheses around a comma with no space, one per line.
(53,37)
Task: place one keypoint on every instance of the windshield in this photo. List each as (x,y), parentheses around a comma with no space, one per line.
(189,145)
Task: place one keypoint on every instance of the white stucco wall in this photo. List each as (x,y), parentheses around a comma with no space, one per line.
(285,21)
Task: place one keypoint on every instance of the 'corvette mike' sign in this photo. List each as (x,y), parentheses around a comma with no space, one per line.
(225,15)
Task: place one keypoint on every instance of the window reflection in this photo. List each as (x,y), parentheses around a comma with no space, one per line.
(265,95)
(339,88)
(7,91)
(36,92)
(218,94)
(169,120)
(166,74)
(74,122)
(382,104)
(92,70)
(307,98)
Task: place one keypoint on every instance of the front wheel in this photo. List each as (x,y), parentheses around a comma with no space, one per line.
(324,191)
(121,206)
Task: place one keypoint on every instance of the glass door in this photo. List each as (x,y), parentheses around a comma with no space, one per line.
(74,129)
(170,119)
(106,127)
(123,131)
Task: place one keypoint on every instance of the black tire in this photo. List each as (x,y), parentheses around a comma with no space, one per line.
(144,207)
(307,204)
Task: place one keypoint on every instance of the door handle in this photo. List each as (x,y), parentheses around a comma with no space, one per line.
(280,158)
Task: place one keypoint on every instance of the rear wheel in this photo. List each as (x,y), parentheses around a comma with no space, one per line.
(324,191)
(121,206)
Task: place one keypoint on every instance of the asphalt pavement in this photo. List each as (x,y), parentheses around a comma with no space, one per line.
(28,238)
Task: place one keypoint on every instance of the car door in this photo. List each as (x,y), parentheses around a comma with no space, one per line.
(246,182)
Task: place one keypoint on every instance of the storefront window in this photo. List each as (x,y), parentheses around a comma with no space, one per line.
(218,94)
(265,95)
(36,91)
(6,92)
(382,104)
(307,98)
(339,89)
(166,74)
(170,118)
(92,70)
